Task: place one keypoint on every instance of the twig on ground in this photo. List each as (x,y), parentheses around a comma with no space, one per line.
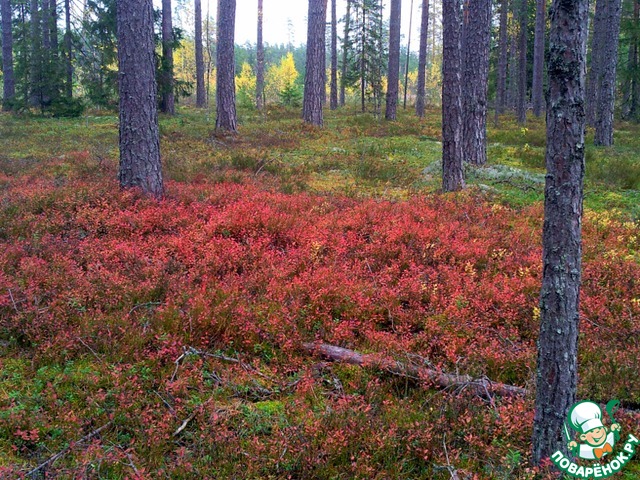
(15,307)
(91,350)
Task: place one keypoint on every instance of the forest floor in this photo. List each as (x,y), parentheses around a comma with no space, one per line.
(143,339)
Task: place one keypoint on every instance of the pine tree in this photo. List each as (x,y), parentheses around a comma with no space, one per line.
(201,93)
(333,96)
(393,71)
(315,75)
(226,71)
(422,62)
(260,61)
(167,101)
(8,79)
(538,58)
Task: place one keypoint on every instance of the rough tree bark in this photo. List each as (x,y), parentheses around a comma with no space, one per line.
(606,94)
(201,92)
(139,135)
(538,58)
(562,251)
(476,39)
(633,92)
(406,63)
(260,61)
(333,96)
(226,68)
(452,173)
(422,60)
(522,64)
(345,52)
(393,72)
(8,79)
(45,19)
(503,47)
(68,46)
(167,98)
(35,82)
(595,69)
(315,75)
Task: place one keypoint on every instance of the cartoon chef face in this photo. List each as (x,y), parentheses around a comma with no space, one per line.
(595,437)
(586,418)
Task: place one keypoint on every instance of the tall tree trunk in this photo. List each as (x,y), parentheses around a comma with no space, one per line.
(45,18)
(606,95)
(406,64)
(8,79)
(315,75)
(393,71)
(53,29)
(522,64)
(201,92)
(35,64)
(634,60)
(595,69)
(513,71)
(503,47)
(260,61)
(345,53)
(68,50)
(363,62)
(562,252)
(422,59)
(452,173)
(226,67)
(139,135)
(476,41)
(538,58)
(333,97)
(167,102)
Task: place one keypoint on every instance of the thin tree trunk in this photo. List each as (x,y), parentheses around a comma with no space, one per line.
(201,93)
(260,61)
(345,53)
(522,64)
(315,75)
(69,50)
(513,71)
(476,41)
(634,87)
(363,62)
(53,29)
(167,102)
(422,60)
(35,87)
(226,69)
(595,70)
(139,135)
(452,172)
(538,58)
(606,95)
(333,97)
(8,79)
(562,252)
(393,71)
(503,47)
(406,65)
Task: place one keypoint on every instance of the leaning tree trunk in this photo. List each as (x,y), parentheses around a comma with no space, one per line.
(167,102)
(68,46)
(476,41)
(452,174)
(333,96)
(139,135)
(8,79)
(260,61)
(393,71)
(595,69)
(201,92)
(501,91)
(345,53)
(522,64)
(226,73)
(562,251)
(315,76)
(538,58)
(606,95)
(422,60)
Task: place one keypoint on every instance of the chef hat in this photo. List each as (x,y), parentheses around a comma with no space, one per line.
(585,416)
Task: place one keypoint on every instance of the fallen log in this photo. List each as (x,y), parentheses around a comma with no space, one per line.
(479,386)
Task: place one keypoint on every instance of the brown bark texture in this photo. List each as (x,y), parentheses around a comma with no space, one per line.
(8,78)
(201,92)
(556,378)
(315,75)
(538,58)
(226,68)
(333,96)
(422,60)
(393,72)
(139,135)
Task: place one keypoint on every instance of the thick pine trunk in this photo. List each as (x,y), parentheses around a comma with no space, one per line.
(606,95)
(452,173)
(315,76)
(562,251)
(260,61)
(393,71)
(139,135)
(538,58)
(422,60)
(333,96)
(503,48)
(475,74)
(167,102)
(595,69)
(201,92)
(8,78)
(68,50)
(522,64)
(226,67)
(345,52)
(45,16)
